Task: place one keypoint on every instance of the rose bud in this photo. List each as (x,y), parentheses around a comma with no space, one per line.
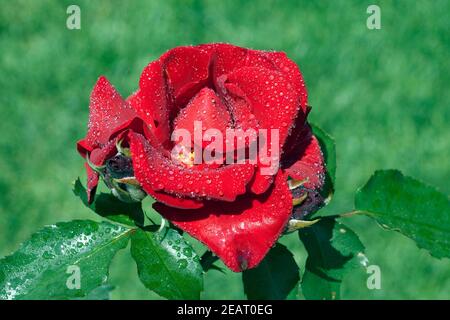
(118,176)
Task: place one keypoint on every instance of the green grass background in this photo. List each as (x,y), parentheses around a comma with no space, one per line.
(383,95)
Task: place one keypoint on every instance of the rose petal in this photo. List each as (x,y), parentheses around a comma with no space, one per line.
(187,70)
(173,201)
(242,232)
(156,172)
(274,102)
(298,131)
(152,102)
(83,147)
(306,162)
(245,119)
(260,182)
(206,107)
(225,58)
(92,182)
(97,157)
(108,112)
(260,58)
(292,73)
(239,104)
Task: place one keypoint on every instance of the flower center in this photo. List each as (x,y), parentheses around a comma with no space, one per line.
(185,156)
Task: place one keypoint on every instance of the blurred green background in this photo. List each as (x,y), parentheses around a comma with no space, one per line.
(383,94)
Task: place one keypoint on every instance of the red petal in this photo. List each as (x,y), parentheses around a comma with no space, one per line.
(244,118)
(151,101)
(291,71)
(187,70)
(307,162)
(173,201)
(260,182)
(108,112)
(92,182)
(206,107)
(97,157)
(299,130)
(156,172)
(225,57)
(240,106)
(142,110)
(240,233)
(83,148)
(260,58)
(274,102)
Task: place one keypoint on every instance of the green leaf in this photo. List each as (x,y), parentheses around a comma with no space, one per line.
(329,153)
(275,278)
(410,207)
(108,206)
(333,249)
(46,266)
(167,264)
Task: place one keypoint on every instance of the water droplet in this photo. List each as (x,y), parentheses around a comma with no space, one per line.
(187,252)
(182,264)
(48,255)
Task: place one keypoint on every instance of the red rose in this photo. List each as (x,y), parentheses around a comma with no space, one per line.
(235,209)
